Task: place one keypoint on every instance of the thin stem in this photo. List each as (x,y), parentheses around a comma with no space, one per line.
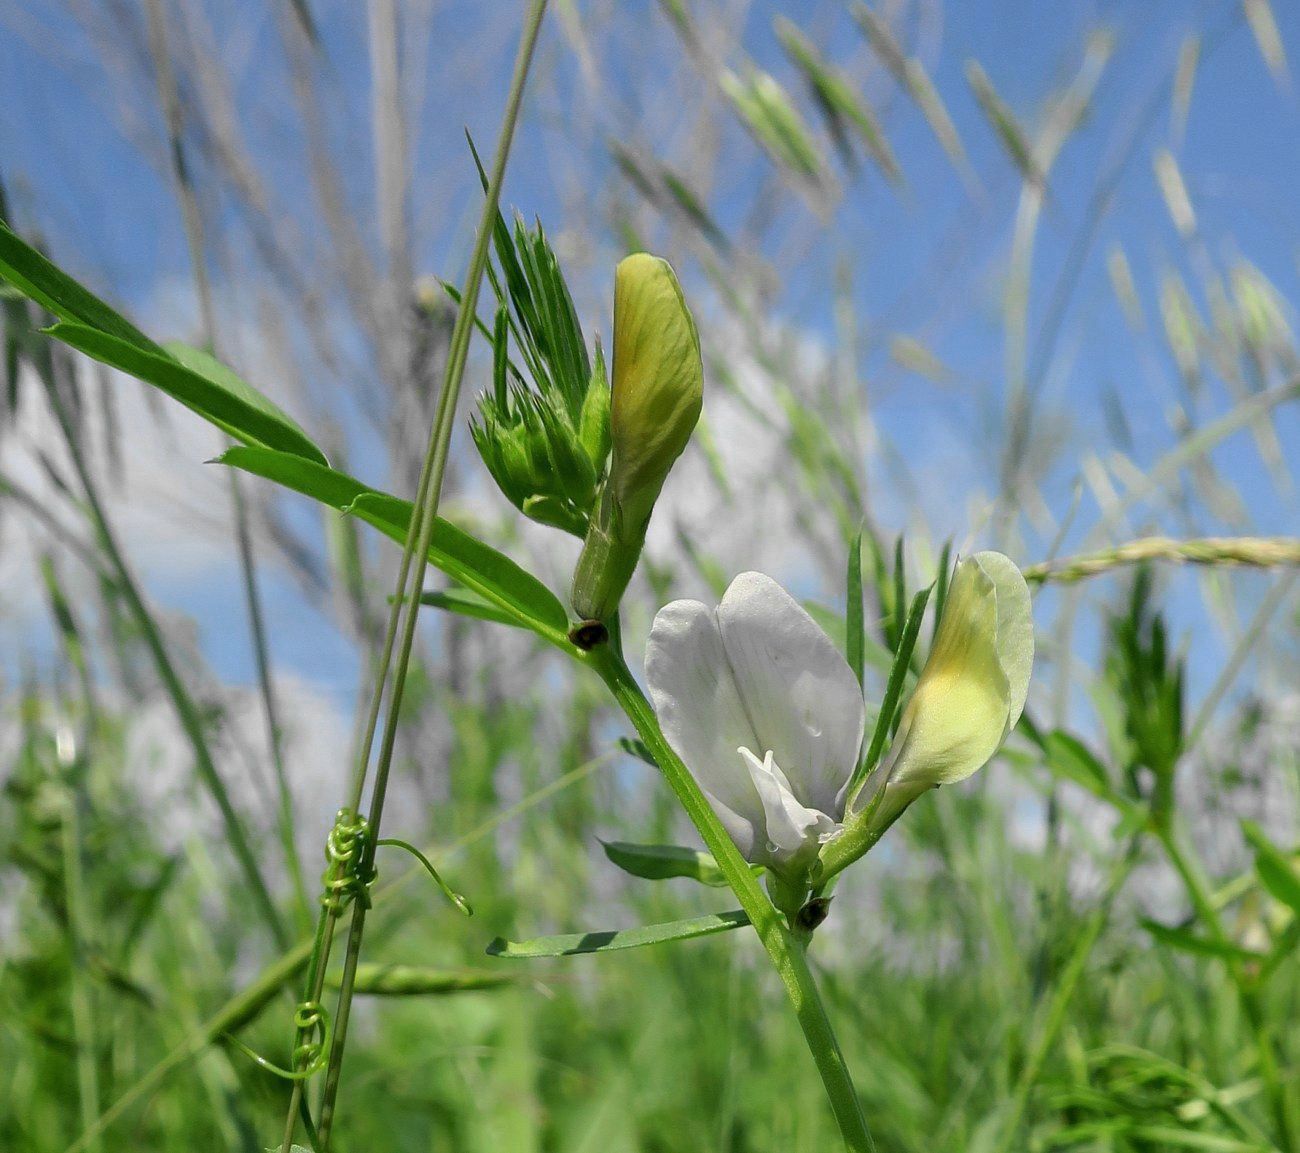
(83,1015)
(785,949)
(416,556)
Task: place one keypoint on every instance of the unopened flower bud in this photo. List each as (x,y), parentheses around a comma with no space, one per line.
(656,396)
(658,382)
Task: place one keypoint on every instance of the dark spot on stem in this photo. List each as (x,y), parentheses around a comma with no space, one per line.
(813,913)
(588,634)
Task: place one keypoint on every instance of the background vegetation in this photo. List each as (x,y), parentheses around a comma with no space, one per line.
(960,277)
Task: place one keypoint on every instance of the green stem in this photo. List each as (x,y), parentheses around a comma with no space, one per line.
(1189,870)
(416,554)
(83,1016)
(784,947)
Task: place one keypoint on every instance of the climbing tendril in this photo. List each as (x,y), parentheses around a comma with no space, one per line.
(349,871)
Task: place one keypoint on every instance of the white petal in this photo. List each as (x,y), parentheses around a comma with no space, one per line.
(701,715)
(793,831)
(802,699)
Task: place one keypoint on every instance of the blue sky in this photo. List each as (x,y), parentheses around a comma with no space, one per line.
(112,218)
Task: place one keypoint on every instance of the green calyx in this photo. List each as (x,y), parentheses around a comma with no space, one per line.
(543,428)
(536,454)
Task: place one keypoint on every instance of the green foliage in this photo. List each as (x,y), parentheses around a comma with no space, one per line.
(612,940)
(660,862)
(480,568)
(545,442)
(1148,683)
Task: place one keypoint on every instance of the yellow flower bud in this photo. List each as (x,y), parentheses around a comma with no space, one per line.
(972,689)
(969,696)
(656,395)
(658,383)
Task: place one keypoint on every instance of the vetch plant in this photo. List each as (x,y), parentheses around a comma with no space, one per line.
(753,698)
(758,721)
(769,717)
(765,712)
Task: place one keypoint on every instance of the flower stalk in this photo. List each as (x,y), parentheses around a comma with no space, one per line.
(784,944)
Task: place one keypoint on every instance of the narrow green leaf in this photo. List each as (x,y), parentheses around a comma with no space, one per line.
(56,292)
(1276,871)
(464,603)
(635,747)
(893,692)
(1188,942)
(380,980)
(1004,122)
(900,596)
(467,560)
(1167,1137)
(941,580)
(476,565)
(611,940)
(855,631)
(203,386)
(1071,758)
(211,369)
(661,862)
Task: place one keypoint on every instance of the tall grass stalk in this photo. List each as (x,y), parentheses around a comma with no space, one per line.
(187,711)
(415,559)
(192,219)
(83,1010)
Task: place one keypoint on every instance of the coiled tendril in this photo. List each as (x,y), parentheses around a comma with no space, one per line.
(346,876)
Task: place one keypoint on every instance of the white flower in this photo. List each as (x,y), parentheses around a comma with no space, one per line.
(769,719)
(765,713)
